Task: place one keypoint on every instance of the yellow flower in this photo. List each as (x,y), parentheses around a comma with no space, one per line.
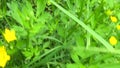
(118,27)
(9,35)
(113,19)
(3,56)
(113,40)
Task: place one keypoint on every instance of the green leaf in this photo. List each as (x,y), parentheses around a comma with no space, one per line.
(38,27)
(110,3)
(15,12)
(27,54)
(41,4)
(20,31)
(68,65)
(79,40)
(37,58)
(83,53)
(103,30)
(75,57)
(113,65)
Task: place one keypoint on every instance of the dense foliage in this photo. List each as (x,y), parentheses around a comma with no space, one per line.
(59,33)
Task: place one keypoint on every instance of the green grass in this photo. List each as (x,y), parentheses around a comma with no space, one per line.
(61,33)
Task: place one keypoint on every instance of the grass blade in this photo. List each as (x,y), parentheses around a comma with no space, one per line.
(98,37)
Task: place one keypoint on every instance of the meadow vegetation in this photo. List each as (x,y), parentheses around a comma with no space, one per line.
(59,33)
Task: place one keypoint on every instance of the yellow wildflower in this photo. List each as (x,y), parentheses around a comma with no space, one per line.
(9,35)
(113,40)
(118,27)
(3,56)
(113,19)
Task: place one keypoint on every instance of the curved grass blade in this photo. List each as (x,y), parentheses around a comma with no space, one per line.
(98,37)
